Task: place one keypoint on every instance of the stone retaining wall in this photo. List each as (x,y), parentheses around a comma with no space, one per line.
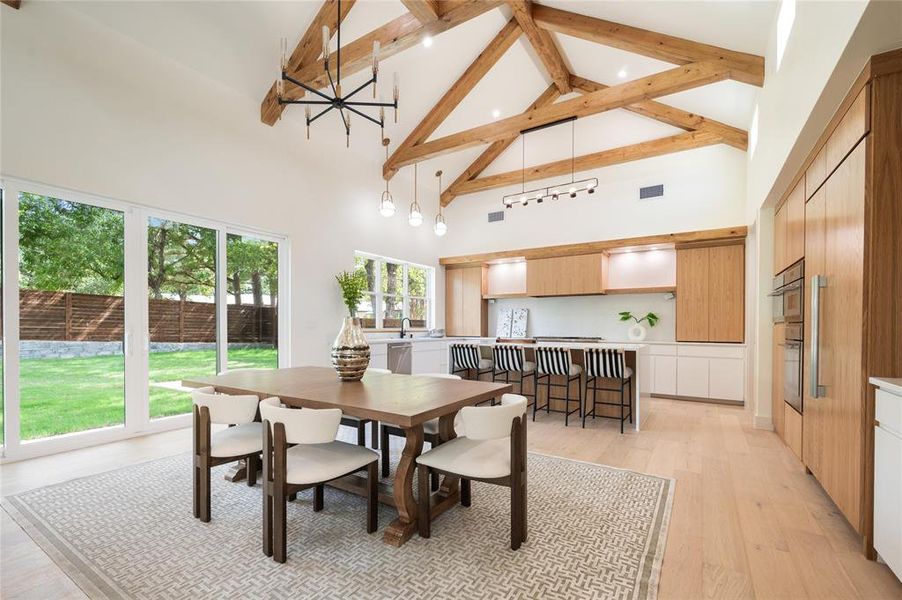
(60,349)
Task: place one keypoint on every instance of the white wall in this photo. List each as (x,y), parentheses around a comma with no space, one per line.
(704,189)
(592,316)
(88,109)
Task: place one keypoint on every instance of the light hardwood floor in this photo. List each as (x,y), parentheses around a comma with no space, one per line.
(747,521)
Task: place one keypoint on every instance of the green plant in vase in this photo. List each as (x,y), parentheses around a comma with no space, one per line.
(637,331)
(353,286)
(350,350)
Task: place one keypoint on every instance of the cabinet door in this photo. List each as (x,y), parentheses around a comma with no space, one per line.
(566,275)
(427,358)
(665,375)
(795,224)
(777,400)
(841,347)
(692,295)
(888,497)
(726,379)
(645,366)
(780,239)
(813,423)
(473,307)
(726,293)
(692,376)
(453,301)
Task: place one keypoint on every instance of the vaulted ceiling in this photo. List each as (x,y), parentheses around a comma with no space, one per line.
(662,95)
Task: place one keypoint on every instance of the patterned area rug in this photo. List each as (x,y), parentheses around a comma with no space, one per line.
(594,532)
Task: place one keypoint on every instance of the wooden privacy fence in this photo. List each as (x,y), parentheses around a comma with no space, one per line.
(66,316)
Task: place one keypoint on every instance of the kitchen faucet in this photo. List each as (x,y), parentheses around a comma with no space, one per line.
(402,325)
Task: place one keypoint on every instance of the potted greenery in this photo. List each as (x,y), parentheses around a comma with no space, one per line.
(350,350)
(637,331)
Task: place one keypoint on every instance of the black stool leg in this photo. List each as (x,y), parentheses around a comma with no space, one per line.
(586,412)
(622,406)
(630,398)
(567,402)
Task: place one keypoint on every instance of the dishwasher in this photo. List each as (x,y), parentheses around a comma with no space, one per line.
(399,358)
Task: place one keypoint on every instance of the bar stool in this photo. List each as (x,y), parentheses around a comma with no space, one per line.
(510,358)
(466,358)
(552,360)
(604,363)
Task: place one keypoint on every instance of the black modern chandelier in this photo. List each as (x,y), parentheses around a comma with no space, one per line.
(552,192)
(336,101)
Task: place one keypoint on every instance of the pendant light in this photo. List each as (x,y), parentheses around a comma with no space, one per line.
(440,227)
(415,217)
(387,203)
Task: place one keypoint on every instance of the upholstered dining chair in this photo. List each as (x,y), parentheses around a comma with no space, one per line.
(608,363)
(241,440)
(550,361)
(314,459)
(430,433)
(493,451)
(466,358)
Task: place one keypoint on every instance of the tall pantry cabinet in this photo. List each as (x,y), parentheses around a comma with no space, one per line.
(853,285)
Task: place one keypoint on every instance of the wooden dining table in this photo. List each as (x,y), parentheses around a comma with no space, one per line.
(407,401)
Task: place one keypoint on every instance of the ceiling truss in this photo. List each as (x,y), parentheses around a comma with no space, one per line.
(698,65)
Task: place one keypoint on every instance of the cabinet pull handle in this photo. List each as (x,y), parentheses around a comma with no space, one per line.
(817,282)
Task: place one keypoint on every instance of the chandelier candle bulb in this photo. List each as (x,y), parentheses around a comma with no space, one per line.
(326,37)
(284,47)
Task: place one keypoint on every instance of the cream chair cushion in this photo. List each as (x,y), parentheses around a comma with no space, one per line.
(492,422)
(237,441)
(302,425)
(226,409)
(485,363)
(316,463)
(485,459)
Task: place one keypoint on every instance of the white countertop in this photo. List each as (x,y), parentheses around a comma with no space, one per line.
(892,385)
(488,341)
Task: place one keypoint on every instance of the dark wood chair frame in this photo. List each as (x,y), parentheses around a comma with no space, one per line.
(360,426)
(278,492)
(625,399)
(203,462)
(567,399)
(516,481)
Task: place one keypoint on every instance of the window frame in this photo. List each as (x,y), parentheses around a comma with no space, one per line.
(378,295)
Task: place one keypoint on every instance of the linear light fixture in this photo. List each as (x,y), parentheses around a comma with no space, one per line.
(552,192)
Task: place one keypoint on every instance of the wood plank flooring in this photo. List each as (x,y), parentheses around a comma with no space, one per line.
(747,521)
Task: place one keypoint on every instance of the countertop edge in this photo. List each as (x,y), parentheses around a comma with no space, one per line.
(892,385)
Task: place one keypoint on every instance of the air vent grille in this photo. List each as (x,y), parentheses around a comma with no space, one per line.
(652,191)
(496,216)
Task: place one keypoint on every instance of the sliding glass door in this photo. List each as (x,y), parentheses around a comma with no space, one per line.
(252,275)
(182,310)
(71,316)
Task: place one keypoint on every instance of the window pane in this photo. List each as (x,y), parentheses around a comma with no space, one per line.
(418,311)
(181,282)
(392,278)
(71,274)
(366,313)
(2,390)
(416,281)
(252,268)
(392,311)
(369,266)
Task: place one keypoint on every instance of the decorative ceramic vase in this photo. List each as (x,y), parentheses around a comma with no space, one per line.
(637,333)
(350,351)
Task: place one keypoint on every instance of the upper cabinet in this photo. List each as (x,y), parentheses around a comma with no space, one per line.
(789,229)
(466,313)
(710,302)
(566,275)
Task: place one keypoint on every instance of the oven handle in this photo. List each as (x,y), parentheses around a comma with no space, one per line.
(817,282)
(786,288)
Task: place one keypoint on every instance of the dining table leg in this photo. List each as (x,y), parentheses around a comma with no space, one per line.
(400,530)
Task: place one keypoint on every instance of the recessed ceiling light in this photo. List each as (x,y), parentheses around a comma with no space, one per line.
(496,113)
(622,73)
(427,41)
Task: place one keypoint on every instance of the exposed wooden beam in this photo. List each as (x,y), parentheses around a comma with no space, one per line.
(604,158)
(13,3)
(495,149)
(543,44)
(309,48)
(394,37)
(725,234)
(424,10)
(660,84)
(744,67)
(457,92)
(671,115)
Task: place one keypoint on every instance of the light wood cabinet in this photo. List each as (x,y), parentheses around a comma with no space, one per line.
(711,294)
(466,313)
(816,173)
(789,230)
(780,239)
(792,434)
(777,400)
(566,275)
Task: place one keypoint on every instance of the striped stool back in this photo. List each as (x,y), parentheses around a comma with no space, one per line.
(604,362)
(508,357)
(464,356)
(553,360)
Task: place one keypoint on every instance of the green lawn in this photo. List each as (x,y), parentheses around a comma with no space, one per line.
(63,395)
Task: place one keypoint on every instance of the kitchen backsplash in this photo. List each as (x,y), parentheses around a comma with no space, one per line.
(591,315)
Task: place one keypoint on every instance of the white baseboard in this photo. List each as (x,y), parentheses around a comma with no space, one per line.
(763,423)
